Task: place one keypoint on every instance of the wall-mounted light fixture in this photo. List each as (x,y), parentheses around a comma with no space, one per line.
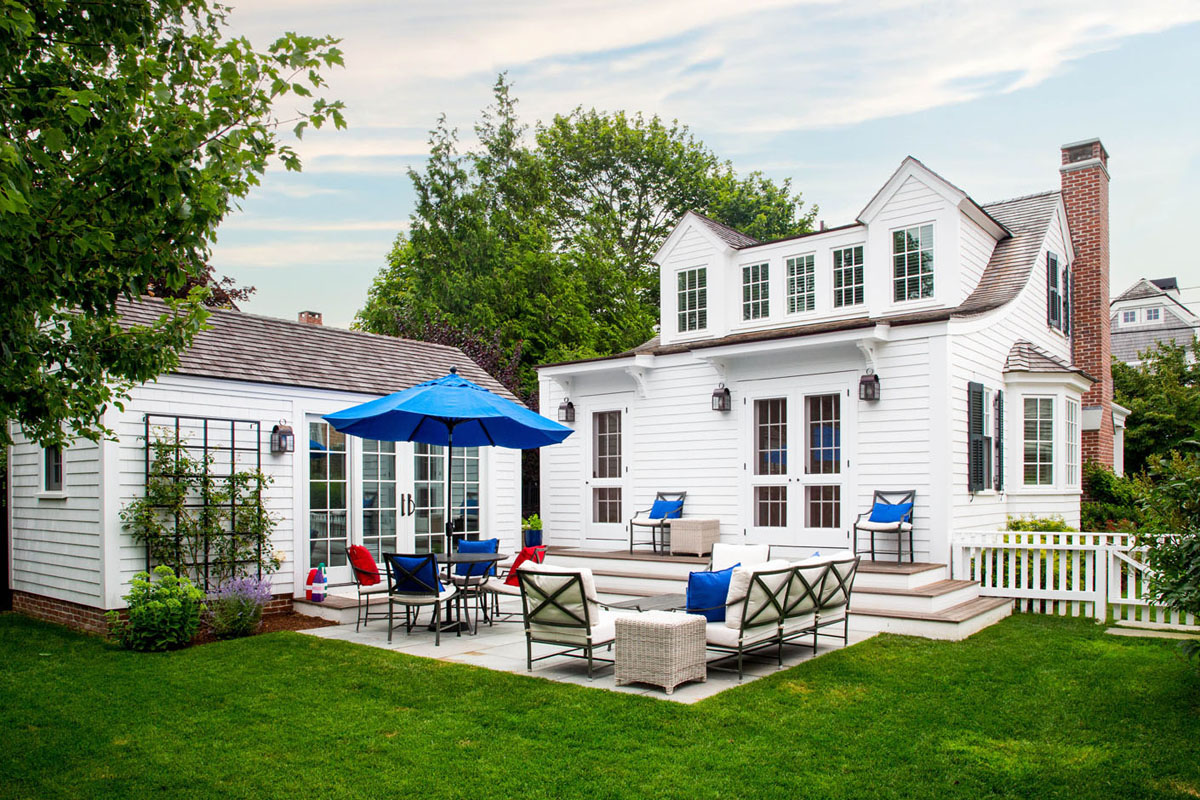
(283,440)
(566,410)
(868,387)
(721,401)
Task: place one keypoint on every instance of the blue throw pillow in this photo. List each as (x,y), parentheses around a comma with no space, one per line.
(424,577)
(480,546)
(666,509)
(707,592)
(890,512)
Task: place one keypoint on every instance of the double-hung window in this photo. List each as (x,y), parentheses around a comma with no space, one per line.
(1039,441)
(1072,443)
(756,291)
(912,263)
(52,469)
(847,276)
(1153,314)
(1128,317)
(693,299)
(801,284)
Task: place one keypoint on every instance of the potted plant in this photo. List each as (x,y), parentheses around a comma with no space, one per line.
(531,531)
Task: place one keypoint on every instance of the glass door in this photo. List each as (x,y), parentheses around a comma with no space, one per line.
(328,500)
(428,509)
(607,512)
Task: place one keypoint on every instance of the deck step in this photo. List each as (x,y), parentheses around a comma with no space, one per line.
(954,623)
(930,598)
(890,575)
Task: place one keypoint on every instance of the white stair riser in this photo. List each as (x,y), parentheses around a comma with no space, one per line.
(883,580)
(640,585)
(928,629)
(652,569)
(338,615)
(918,603)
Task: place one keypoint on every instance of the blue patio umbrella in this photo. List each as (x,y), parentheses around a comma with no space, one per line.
(449,411)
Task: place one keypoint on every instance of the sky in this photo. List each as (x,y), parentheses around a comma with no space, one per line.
(832,95)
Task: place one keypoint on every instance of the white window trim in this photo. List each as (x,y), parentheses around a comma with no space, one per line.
(46,494)
(1056,457)
(772,274)
(703,329)
(1126,314)
(833,288)
(891,294)
(787,285)
(1072,441)
(1157,312)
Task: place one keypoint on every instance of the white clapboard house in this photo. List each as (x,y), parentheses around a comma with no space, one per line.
(69,556)
(985,327)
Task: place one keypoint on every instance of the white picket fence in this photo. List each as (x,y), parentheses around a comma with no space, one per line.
(1070,574)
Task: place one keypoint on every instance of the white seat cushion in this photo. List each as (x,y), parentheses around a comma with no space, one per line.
(500,587)
(717,633)
(726,555)
(378,588)
(803,622)
(424,599)
(867,525)
(649,523)
(740,583)
(585,574)
(827,615)
(604,630)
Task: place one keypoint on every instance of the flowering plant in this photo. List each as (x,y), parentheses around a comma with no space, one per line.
(236,608)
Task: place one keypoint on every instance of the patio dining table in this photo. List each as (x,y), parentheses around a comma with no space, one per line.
(449,559)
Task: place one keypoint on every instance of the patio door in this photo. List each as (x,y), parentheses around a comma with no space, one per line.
(607,509)
(799,479)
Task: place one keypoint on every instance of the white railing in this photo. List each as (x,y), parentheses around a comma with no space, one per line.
(1098,575)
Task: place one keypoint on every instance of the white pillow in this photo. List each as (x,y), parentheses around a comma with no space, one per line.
(739,584)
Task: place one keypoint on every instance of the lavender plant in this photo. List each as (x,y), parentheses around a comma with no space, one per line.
(236,608)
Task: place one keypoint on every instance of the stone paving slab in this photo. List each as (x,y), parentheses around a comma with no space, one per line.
(502,647)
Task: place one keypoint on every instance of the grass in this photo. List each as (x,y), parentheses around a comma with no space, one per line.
(1033,707)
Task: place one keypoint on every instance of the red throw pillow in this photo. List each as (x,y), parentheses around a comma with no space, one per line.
(365,567)
(535,554)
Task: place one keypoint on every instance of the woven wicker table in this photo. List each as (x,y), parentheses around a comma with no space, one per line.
(660,647)
(695,536)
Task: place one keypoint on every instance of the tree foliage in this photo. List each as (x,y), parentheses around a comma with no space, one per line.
(549,240)
(127,131)
(1163,397)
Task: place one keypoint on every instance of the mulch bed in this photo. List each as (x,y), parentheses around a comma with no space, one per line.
(271,623)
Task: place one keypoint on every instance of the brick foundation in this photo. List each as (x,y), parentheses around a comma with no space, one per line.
(91,620)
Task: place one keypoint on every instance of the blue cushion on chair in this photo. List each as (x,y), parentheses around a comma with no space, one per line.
(480,546)
(707,592)
(890,512)
(666,509)
(424,578)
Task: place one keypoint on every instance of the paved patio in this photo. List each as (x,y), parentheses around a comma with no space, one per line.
(502,647)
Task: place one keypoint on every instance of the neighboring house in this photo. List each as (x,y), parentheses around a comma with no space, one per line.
(1147,313)
(70,558)
(985,326)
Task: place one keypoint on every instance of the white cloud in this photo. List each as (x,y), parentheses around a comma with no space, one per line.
(243,222)
(294,253)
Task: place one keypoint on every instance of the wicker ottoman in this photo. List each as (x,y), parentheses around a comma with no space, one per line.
(660,647)
(695,536)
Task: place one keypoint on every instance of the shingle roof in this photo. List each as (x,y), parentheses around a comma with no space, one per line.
(1028,357)
(734,238)
(1027,218)
(1128,345)
(246,347)
(1140,291)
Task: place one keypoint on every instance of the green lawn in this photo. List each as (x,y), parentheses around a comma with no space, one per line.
(1032,707)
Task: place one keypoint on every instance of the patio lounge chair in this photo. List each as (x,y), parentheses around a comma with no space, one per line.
(367,581)
(667,506)
(413,582)
(891,512)
(724,555)
(752,613)
(834,601)
(560,608)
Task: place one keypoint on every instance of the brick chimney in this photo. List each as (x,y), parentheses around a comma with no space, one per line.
(1084,173)
(311,317)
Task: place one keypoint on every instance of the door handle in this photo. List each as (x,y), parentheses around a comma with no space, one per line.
(412,506)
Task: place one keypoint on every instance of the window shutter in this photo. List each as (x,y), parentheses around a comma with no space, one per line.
(1053,300)
(999,441)
(1066,300)
(975,441)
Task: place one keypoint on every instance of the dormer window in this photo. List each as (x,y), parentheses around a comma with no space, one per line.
(1153,314)
(912,261)
(801,284)
(1128,317)
(756,292)
(847,276)
(693,299)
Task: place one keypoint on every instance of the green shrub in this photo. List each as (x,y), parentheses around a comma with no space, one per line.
(236,608)
(163,614)
(532,523)
(1111,502)
(1041,524)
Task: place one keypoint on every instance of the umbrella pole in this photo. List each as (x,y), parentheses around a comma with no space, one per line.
(449,519)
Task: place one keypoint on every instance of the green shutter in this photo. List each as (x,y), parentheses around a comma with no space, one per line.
(975,442)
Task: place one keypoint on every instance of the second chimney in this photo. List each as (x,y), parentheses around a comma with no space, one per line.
(311,317)
(1084,173)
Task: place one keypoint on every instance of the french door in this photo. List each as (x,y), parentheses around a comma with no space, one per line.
(799,478)
(390,497)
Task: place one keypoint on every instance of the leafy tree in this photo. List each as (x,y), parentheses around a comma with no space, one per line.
(1163,396)
(550,242)
(127,131)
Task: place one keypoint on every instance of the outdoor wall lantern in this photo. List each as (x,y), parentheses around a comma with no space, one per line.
(282,439)
(721,401)
(868,386)
(566,410)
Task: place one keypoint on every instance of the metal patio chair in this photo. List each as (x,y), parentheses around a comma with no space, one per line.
(884,518)
(560,608)
(657,518)
(413,582)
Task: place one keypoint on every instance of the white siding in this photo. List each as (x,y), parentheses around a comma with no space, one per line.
(975,250)
(56,545)
(913,200)
(693,249)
